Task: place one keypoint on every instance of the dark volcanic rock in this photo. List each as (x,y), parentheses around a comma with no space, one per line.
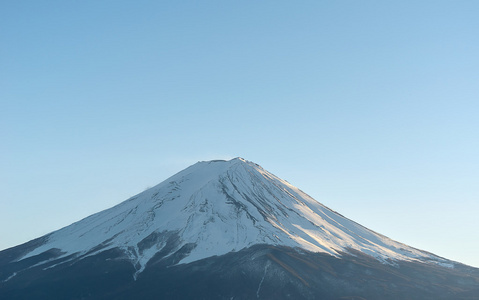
(259,272)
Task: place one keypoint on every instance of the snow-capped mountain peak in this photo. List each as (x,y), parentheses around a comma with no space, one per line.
(216,207)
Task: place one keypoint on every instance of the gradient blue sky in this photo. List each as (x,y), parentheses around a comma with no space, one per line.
(371,107)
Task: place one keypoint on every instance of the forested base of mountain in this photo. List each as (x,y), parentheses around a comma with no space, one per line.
(258,272)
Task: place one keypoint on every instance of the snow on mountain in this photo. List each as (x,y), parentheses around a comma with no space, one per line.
(217,207)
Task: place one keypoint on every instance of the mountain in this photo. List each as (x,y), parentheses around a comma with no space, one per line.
(226,230)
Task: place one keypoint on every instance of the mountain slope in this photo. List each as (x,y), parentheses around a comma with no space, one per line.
(219,207)
(213,213)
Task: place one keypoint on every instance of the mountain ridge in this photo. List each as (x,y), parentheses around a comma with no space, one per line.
(251,206)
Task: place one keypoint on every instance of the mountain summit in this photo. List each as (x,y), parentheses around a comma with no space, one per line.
(212,212)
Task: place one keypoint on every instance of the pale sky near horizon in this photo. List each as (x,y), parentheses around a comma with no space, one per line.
(369,107)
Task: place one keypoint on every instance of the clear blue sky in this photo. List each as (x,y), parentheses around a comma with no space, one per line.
(371,107)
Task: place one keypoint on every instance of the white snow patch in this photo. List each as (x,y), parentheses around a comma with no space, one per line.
(262,279)
(10,277)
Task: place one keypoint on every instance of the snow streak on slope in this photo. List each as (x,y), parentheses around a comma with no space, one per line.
(221,206)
